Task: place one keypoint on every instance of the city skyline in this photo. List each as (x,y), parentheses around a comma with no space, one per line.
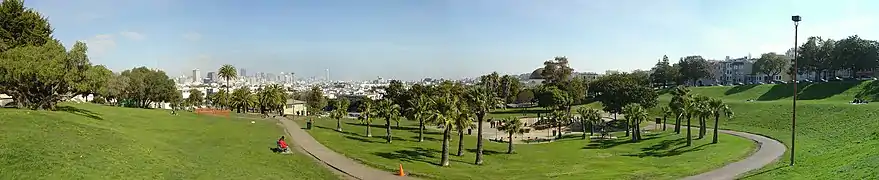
(439,39)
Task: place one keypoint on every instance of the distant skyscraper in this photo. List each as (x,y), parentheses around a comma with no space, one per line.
(242,72)
(212,76)
(328,75)
(195,75)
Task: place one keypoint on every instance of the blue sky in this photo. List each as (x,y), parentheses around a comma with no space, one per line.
(413,39)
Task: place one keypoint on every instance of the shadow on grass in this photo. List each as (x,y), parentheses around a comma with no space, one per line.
(870,91)
(521,111)
(738,89)
(486,152)
(416,154)
(382,126)
(362,139)
(275,149)
(80,112)
(662,149)
(426,138)
(764,171)
(610,143)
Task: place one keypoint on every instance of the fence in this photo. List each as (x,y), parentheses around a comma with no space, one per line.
(215,112)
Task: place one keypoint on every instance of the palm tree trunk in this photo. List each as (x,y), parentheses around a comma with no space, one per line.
(510,144)
(368,133)
(583,126)
(638,132)
(445,157)
(591,129)
(479,118)
(632,127)
(689,138)
(388,129)
(716,121)
(627,127)
(339,124)
(678,124)
(460,142)
(664,121)
(420,130)
(701,127)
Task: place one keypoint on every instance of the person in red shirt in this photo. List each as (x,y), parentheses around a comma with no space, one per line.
(282,145)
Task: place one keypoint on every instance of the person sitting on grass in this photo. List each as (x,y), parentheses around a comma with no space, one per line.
(282,145)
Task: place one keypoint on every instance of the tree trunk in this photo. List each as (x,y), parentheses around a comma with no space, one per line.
(460,142)
(701,125)
(591,129)
(664,121)
(339,124)
(368,133)
(583,126)
(689,138)
(627,127)
(510,144)
(716,121)
(420,130)
(388,129)
(479,118)
(678,124)
(445,156)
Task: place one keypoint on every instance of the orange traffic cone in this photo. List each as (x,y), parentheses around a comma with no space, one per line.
(401,171)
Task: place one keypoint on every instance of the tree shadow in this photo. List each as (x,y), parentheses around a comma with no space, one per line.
(870,91)
(80,112)
(661,149)
(610,143)
(826,89)
(738,89)
(764,171)
(382,126)
(781,91)
(486,152)
(521,111)
(426,138)
(362,139)
(334,129)
(417,154)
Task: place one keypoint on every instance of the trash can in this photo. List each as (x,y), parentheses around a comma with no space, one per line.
(308,125)
(553,132)
(469,131)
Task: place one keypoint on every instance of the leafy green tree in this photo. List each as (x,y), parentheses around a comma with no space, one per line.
(195,98)
(718,108)
(680,99)
(511,126)
(241,98)
(21,26)
(443,113)
(316,100)
(525,96)
(366,113)
(227,72)
(510,87)
(693,68)
(388,110)
(771,64)
(617,90)
(272,98)
(340,112)
(703,112)
(556,71)
(666,111)
(635,114)
(663,73)
(146,86)
(559,119)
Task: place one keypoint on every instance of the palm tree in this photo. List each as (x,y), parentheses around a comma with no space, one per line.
(690,109)
(559,119)
(511,126)
(678,105)
(240,98)
(366,112)
(341,112)
(635,114)
(666,111)
(419,110)
(388,110)
(590,116)
(227,72)
(271,97)
(480,101)
(442,113)
(463,120)
(337,114)
(195,98)
(718,108)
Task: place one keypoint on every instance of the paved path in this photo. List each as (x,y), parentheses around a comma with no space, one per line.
(335,160)
(768,150)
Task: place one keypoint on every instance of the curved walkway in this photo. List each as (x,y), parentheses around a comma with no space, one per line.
(768,150)
(329,157)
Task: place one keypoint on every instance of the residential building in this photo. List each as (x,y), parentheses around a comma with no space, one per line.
(295,107)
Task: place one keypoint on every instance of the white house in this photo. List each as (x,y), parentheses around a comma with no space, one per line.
(295,107)
(5,99)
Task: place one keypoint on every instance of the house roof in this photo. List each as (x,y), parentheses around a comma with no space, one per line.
(293,101)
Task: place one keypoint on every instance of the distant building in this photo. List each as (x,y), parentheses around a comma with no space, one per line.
(5,99)
(196,77)
(242,72)
(295,108)
(212,77)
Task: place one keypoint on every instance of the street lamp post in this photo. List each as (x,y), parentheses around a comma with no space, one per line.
(793,134)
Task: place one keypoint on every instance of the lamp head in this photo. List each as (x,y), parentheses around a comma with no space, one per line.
(795,18)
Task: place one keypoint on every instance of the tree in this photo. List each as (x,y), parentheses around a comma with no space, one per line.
(146,86)
(691,109)
(589,116)
(40,76)
(227,72)
(678,104)
(366,113)
(94,81)
(663,73)
(510,87)
(693,68)
(525,96)
(666,111)
(443,114)
(463,120)
(718,108)
(635,114)
(340,112)
(388,110)
(702,111)
(559,119)
(556,71)
(195,98)
(771,64)
(241,99)
(481,102)
(617,90)
(271,97)
(511,126)
(21,26)
(315,99)
(419,110)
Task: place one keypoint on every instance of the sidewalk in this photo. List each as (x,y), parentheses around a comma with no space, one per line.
(335,160)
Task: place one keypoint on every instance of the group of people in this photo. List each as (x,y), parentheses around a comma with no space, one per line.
(495,123)
(859,101)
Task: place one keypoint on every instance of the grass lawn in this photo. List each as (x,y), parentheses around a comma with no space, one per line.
(660,156)
(87,141)
(835,140)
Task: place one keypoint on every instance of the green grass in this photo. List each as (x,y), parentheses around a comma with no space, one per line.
(835,140)
(99,142)
(662,156)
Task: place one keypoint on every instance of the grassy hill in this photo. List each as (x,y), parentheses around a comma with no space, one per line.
(835,139)
(87,141)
